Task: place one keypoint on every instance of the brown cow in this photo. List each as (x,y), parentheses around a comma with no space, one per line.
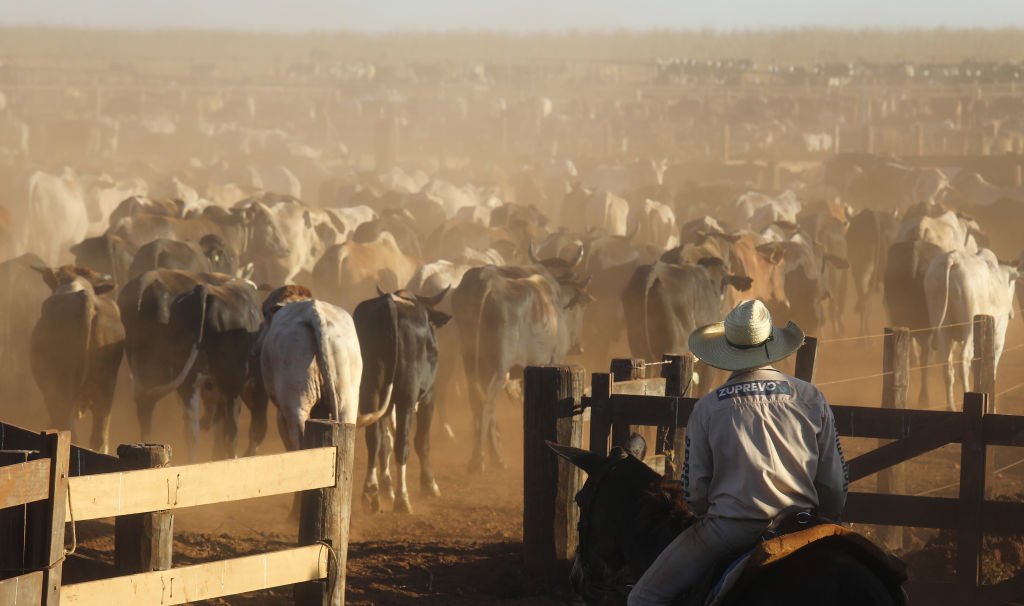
(76,349)
(351,272)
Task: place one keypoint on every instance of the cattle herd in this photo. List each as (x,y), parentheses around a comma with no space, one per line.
(231,253)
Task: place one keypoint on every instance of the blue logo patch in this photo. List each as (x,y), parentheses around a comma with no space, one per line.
(755,388)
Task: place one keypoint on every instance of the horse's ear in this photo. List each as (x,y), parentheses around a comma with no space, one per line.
(584,459)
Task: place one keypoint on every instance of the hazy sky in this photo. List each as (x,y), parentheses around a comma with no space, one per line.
(521,15)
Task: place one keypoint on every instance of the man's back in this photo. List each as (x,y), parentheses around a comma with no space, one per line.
(762,442)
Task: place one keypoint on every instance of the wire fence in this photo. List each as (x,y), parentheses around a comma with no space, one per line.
(882,335)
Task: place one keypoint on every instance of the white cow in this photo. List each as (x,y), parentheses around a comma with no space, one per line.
(756,211)
(310,355)
(656,225)
(56,216)
(960,285)
(608,212)
(947,231)
(103,194)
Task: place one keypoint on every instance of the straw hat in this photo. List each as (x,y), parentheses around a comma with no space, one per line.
(746,339)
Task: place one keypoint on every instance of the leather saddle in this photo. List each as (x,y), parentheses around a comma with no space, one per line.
(789,533)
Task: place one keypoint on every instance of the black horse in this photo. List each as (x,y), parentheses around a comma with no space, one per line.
(628,514)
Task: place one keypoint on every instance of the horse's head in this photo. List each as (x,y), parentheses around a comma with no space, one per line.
(628,514)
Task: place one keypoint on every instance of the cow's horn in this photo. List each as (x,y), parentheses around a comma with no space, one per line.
(380,292)
(579,257)
(531,254)
(436,299)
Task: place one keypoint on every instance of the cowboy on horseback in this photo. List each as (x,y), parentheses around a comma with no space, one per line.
(761,444)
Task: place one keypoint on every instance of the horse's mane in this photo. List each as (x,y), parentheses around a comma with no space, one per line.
(666,502)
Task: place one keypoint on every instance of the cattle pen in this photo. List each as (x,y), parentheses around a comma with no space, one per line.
(46,482)
(556,406)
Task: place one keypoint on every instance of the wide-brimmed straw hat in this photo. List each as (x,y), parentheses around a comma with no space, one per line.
(746,339)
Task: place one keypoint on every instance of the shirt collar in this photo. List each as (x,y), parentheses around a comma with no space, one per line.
(740,373)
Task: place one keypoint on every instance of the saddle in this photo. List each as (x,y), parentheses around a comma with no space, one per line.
(788,534)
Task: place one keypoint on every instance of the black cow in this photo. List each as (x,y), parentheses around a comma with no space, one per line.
(106,254)
(169,254)
(906,299)
(511,317)
(665,302)
(76,349)
(193,333)
(399,350)
(867,246)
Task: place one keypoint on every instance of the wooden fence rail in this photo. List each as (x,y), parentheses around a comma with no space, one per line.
(37,497)
(903,434)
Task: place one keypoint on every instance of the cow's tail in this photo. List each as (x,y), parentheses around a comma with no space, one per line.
(945,295)
(155,393)
(366,419)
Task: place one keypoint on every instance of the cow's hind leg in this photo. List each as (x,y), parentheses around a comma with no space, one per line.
(371,491)
(491,428)
(192,400)
(424,419)
(228,447)
(387,448)
(255,400)
(405,405)
(144,409)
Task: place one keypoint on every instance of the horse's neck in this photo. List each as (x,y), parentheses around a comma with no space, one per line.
(643,545)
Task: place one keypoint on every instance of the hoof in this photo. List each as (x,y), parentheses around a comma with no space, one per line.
(402,504)
(371,501)
(430,489)
(387,488)
(448,432)
(498,464)
(476,466)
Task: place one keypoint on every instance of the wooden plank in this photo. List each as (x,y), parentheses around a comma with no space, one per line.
(626,376)
(972,492)
(12,522)
(82,462)
(169,488)
(640,387)
(902,450)
(900,510)
(203,581)
(1002,517)
(24,483)
(891,424)
(651,410)
(26,589)
(1003,430)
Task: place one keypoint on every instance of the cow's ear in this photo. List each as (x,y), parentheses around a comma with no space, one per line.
(584,459)
(438,318)
(102,289)
(48,276)
(740,283)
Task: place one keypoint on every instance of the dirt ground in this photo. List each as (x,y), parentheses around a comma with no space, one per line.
(465,547)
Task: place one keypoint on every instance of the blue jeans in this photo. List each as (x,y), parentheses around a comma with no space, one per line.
(692,556)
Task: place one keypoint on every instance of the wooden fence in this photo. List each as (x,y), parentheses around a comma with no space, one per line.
(46,482)
(554,410)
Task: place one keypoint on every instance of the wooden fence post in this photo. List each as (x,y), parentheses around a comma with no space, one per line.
(985,352)
(625,369)
(895,385)
(972,493)
(805,359)
(326,512)
(678,373)
(144,542)
(44,542)
(600,412)
(552,399)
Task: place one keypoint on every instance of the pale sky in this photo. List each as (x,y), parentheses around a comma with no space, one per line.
(520,15)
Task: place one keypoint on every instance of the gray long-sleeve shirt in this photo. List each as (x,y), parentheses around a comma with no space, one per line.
(762,442)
